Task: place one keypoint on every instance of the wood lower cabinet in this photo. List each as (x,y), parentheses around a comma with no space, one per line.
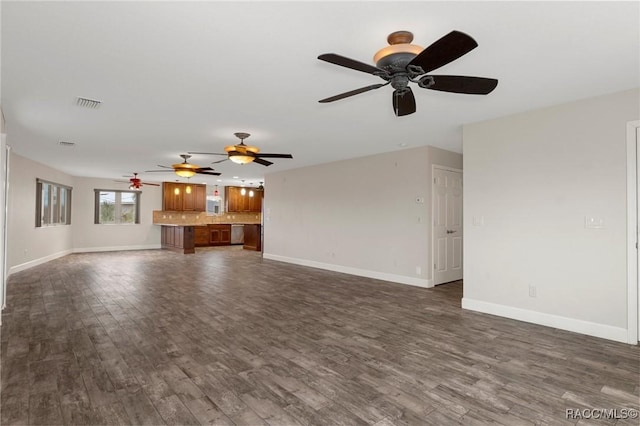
(252,237)
(219,235)
(201,236)
(178,238)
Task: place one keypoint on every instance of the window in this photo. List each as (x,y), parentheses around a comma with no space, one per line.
(116,207)
(53,204)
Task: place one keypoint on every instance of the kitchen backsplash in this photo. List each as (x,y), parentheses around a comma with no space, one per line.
(201,218)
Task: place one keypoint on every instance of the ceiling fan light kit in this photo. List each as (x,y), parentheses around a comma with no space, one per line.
(402,63)
(135,183)
(185,169)
(399,50)
(244,154)
(185,173)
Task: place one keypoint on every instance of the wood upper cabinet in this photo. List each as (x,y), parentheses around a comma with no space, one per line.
(200,195)
(171,196)
(175,197)
(255,202)
(236,202)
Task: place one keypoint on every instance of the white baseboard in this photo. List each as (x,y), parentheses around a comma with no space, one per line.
(117,248)
(35,262)
(569,324)
(45,259)
(401,279)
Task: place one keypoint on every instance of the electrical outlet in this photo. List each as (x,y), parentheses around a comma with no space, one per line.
(418,270)
(478,220)
(593,222)
(532,290)
(419,200)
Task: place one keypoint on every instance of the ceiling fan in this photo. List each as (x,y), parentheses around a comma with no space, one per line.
(135,183)
(402,62)
(244,154)
(186,169)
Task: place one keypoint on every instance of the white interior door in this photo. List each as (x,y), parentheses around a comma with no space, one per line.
(638,224)
(447,225)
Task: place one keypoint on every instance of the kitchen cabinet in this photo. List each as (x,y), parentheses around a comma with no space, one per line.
(201,236)
(220,235)
(177,238)
(252,237)
(236,202)
(171,196)
(176,197)
(200,192)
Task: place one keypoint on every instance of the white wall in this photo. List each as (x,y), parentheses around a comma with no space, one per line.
(356,216)
(532,178)
(29,246)
(88,236)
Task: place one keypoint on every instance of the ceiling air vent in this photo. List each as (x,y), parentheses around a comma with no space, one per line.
(67,144)
(88,103)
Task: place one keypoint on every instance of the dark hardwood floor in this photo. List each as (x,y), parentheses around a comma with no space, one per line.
(224,337)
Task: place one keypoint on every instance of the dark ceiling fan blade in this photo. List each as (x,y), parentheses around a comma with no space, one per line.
(352,93)
(207,171)
(261,161)
(446,49)
(219,161)
(404,103)
(207,153)
(350,63)
(461,84)
(165,167)
(261,155)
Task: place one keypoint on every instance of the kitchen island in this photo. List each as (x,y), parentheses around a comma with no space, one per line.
(180,238)
(184,231)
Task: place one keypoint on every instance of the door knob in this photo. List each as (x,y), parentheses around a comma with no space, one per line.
(449,231)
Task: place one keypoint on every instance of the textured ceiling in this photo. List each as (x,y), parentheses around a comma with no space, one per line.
(177,76)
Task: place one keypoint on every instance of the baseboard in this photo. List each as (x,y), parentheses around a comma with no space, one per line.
(401,279)
(117,248)
(569,324)
(49,258)
(39,261)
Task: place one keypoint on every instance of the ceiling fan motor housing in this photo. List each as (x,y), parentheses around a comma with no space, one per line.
(395,62)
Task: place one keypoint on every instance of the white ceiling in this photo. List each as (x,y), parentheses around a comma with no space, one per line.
(177,77)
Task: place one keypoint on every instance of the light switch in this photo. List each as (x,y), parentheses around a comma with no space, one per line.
(593,222)
(478,221)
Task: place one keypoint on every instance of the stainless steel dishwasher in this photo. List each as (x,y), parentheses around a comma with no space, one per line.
(237,234)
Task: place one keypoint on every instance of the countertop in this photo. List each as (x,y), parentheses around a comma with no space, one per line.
(204,224)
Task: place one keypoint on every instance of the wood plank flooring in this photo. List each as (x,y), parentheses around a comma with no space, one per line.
(225,337)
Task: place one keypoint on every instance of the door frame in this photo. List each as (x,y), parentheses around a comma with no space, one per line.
(5,158)
(633,296)
(433,225)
